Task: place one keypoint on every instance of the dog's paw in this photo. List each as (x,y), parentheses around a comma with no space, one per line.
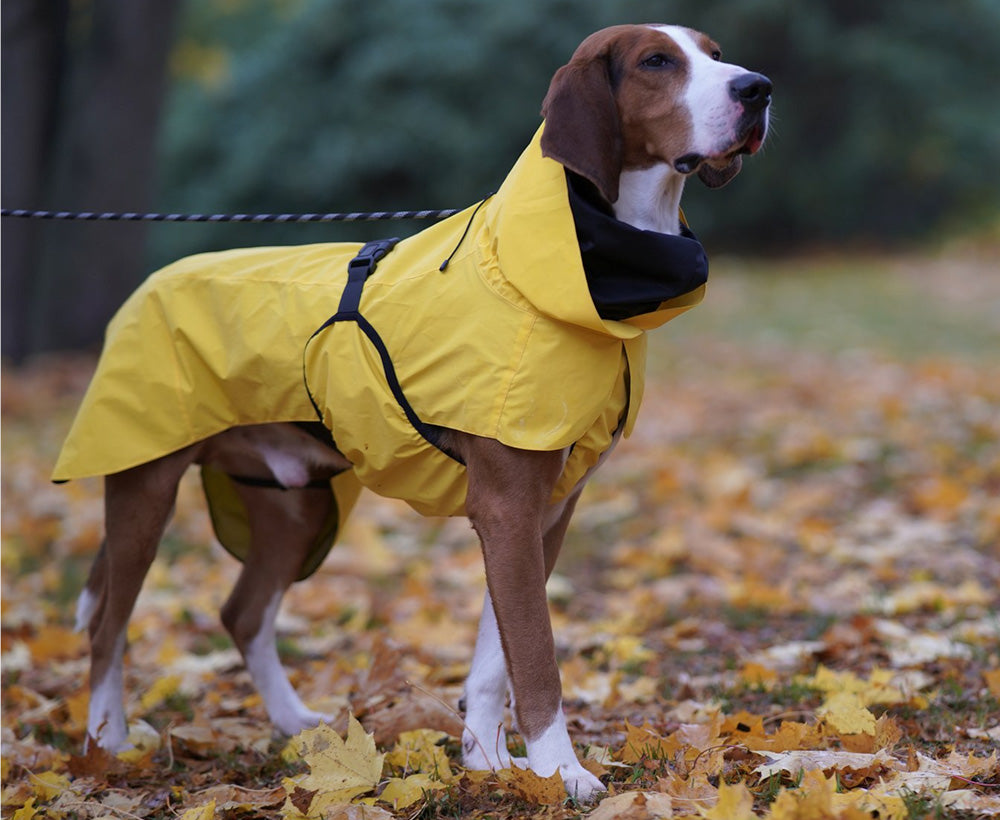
(292,722)
(477,757)
(581,784)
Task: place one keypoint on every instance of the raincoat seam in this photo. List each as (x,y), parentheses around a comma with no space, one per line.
(512,376)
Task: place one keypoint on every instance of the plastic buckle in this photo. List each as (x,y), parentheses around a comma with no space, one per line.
(369,255)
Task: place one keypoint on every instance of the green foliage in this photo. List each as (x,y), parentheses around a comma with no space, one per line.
(881,117)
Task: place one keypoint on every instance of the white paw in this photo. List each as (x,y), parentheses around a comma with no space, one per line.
(486,753)
(292,722)
(580,783)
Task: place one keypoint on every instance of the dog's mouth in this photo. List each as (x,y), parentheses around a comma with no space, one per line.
(754,140)
(749,143)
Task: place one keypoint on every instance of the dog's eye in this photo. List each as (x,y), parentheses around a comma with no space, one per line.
(657,61)
(717,55)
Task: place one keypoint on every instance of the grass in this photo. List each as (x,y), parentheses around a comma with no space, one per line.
(907,308)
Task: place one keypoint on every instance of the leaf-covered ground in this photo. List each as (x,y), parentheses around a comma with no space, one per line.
(779,599)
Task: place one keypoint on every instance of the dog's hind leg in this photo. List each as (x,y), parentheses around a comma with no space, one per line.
(137,505)
(283,525)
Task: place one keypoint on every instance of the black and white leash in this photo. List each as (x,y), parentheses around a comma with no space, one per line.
(95,216)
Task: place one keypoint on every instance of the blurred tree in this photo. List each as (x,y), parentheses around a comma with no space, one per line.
(82,87)
(884,123)
(882,118)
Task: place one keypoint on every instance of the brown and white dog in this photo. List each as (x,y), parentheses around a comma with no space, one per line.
(637,110)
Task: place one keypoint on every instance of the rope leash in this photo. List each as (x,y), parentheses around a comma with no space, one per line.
(354,216)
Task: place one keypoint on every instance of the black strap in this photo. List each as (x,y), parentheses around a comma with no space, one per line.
(358,270)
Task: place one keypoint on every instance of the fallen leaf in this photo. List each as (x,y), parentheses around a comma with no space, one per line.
(534,788)
(735,803)
(206,812)
(634,806)
(420,751)
(402,792)
(340,769)
(794,762)
(845,712)
(162,689)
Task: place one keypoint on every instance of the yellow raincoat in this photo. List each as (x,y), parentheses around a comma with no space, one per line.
(505,342)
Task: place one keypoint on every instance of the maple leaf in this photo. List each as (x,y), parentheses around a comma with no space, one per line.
(340,769)
(419,751)
(162,689)
(815,798)
(534,788)
(402,792)
(823,761)
(643,742)
(27,811)
(845,712)
(48,785)
(992,678)
(206,812)
(634,806)
(735,803)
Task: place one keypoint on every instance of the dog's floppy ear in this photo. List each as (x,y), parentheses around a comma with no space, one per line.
(582,128)
(717,177)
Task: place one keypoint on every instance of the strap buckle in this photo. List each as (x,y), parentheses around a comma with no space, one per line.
(369,255)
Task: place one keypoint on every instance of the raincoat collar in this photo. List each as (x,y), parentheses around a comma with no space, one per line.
(631,271)
(532,229)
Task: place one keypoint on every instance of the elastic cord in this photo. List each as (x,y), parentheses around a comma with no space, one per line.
(461,239)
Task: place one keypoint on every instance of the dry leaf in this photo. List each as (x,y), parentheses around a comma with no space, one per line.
(402,792)
(844,712)
(340,769)
(794,762)
(633,806)
(735,803)
(532,787)
(206,812)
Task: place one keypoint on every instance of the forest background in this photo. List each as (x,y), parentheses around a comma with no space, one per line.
(884,127)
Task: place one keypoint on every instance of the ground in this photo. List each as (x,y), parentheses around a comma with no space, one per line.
(778,599)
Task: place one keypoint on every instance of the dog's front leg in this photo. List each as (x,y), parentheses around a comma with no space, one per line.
(509,492)
(484,741)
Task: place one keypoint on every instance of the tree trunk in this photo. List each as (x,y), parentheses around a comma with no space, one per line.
(32,57)
(104,157)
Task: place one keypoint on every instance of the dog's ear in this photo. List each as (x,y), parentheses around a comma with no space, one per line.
(582,127)
(717,177)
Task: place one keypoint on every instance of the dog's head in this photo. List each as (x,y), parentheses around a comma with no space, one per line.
(634,96)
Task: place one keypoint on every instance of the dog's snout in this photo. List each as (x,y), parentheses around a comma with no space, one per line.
(753,90)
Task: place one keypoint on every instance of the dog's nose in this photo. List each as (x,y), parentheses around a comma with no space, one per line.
(753,90)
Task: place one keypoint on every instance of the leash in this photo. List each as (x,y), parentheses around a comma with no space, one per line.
(354,216)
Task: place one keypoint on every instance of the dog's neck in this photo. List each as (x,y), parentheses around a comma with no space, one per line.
(650,199)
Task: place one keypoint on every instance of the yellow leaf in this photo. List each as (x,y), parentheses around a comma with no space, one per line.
(160,691)
(992,678)
(206,812)
(27,811)
(534,788)
(418,751)
(144,740)
(339,769)
(49,785)
(812,799)
(735,803)
(755,674)
(400,792)
(844,712)
(642,742)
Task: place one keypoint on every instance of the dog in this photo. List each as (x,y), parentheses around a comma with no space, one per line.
(581,251)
